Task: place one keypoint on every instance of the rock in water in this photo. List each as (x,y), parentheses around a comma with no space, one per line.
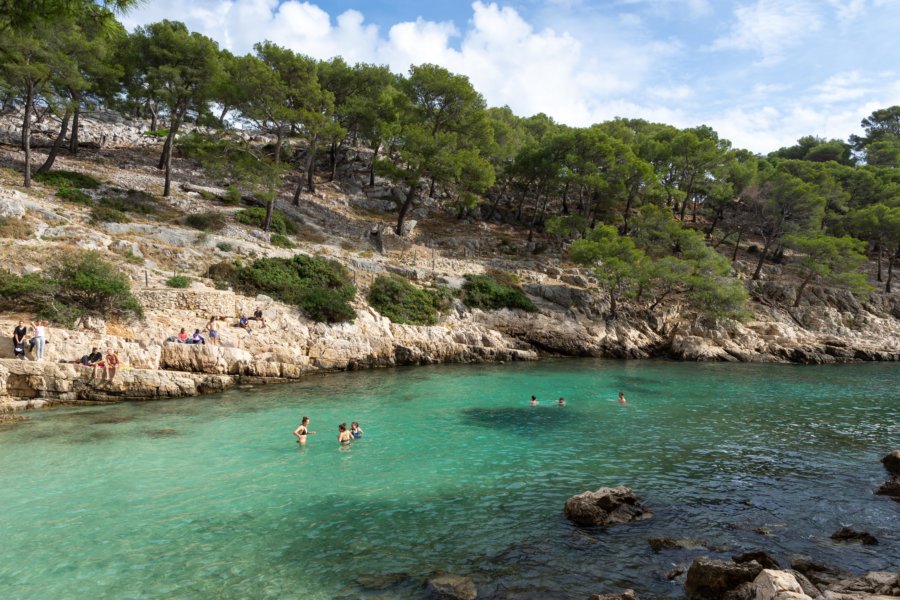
(447,586)
(890,488)
(845,534)
(626,595)
(606,506)
(760,556)
(711,579)
(891,462)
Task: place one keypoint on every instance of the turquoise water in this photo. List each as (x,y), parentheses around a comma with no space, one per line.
(211,497)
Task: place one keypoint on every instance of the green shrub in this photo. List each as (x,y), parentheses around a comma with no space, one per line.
(322,288)
(256,216)
(159,133)
(401,302)
(68,179)
(281,241)
(202,239)
(14,229)
(79,284)
(178,281)
(74,195)
(133,201)
(232,195)
(105,214)
(133,259)
(207,221)
(493,291)
(225,246)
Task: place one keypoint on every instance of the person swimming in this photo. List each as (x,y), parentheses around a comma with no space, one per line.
(534,401)
(561,402)
(344,436)
(303,430)
(355,431)
(622,399)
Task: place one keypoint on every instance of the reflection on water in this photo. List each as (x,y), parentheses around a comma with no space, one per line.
(212,496)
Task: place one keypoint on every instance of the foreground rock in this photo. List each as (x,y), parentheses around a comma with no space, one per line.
(606,506)
(712,579)
(777,585)
(447,586)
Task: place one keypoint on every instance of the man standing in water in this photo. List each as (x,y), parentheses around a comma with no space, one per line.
(534,401)
(302,431)
(622,398)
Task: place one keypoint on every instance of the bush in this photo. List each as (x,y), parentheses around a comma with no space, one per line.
(225,246)
(281,241)
(81,283)
(74,195)
(68,179)
(159,133)
(178,281)
(322,288)
(105,214)
(133,201)
(494,291)
(281,223)
(401,302)
(208,221)
(232,195)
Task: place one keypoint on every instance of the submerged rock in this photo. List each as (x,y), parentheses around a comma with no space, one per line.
(606,506)
(890,488)
(626,595)
(845,534)
(711,579)
(448,586)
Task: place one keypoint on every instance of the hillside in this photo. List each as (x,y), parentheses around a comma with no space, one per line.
(153,242)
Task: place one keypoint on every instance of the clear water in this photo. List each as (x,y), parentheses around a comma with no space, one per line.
(211,497)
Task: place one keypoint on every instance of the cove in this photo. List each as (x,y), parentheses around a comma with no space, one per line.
(211,496)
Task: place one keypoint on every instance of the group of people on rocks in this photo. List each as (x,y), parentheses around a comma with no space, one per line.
(212,329)
(35,342)
(345,436)
(96,361)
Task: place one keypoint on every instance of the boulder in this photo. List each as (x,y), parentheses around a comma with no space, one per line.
(845,534)
(875,582)
(890,488)
(711,579)
(771,585)
(11,208)
(891,462)
(626,595)
(819,574)
(760,556)
(606,506)
(447,586)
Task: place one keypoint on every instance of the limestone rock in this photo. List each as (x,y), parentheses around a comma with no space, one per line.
(711,579)
(606,506)
(772,585)
(447,586)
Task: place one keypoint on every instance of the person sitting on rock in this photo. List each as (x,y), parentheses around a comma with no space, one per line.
(19,334)
(197,338)
(244,323)
(89,359)
(112,365)
(258,317)
(183,336)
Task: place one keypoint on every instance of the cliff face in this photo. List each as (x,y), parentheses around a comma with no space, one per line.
(828,326)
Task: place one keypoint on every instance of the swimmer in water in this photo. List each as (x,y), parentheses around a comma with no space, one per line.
(355,431)
(562,402)
(622,398)
(344,436)
(534,401)
(303,430)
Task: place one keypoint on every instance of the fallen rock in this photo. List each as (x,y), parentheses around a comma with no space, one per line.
(875,582)
(448,586)
(606,506)
(890,488)
(626,595)
(760,556)
(845,534)
(711,579)
(808,587)
(771,584)
(891,462)
(819,574)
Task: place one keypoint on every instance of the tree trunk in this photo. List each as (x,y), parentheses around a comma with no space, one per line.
(167,151)
(57,144)
(431,189)
(153,115)
(26,132)
(737,245)
(762,259)
(224,112)
(625,214)
(333,155)
(372,168)
(565,199)
(410,196)
(310,182)
(878,261)
(298,192)
(270,210)
(76,123)
(890,277)
(802,287)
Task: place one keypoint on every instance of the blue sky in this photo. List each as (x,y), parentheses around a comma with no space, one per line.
(761,72)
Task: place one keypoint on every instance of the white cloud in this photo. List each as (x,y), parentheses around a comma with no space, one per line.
(848,10)
(769,27)
(841,87)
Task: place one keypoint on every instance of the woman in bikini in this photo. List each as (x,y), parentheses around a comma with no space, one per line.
(344,436)
(303,430)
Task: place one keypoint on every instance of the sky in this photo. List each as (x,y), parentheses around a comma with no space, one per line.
(762,73)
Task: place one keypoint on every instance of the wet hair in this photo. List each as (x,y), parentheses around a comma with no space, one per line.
(304,420)
(342,427)
(533,398)
(621,393)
